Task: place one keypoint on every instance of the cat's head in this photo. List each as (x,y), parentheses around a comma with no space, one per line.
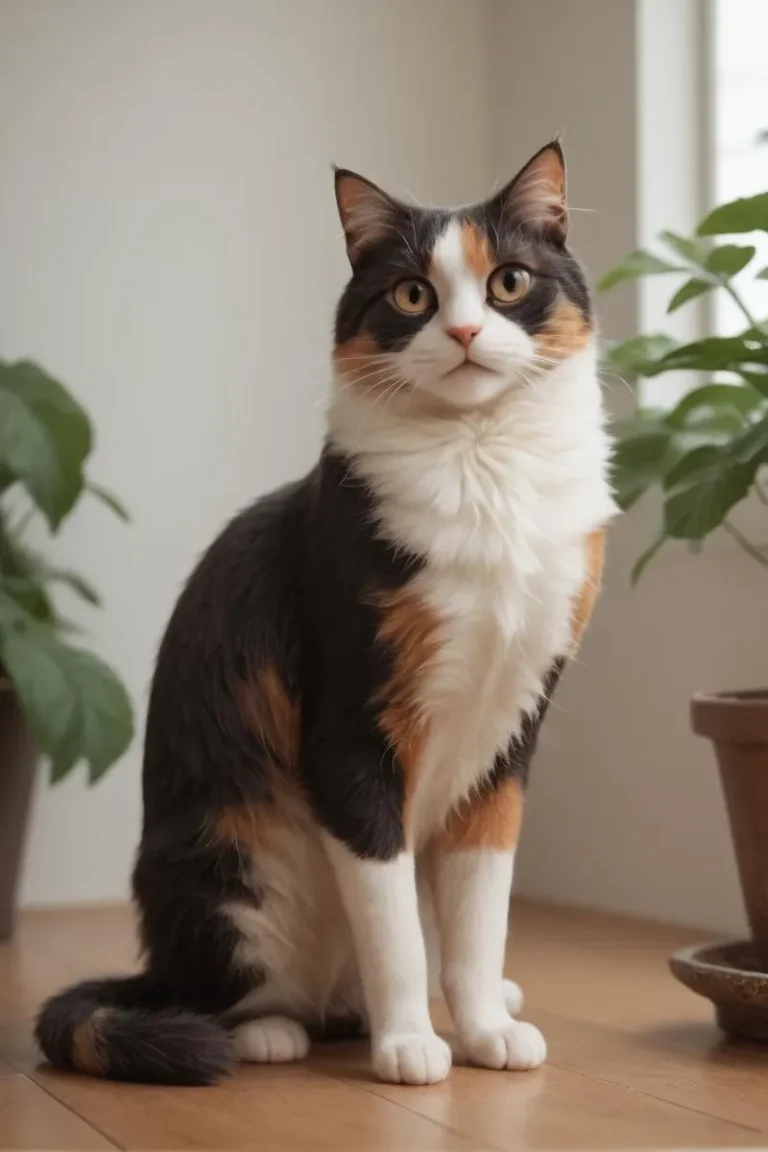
(459,305)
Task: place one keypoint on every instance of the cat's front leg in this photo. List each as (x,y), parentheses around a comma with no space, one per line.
(381,901)
(471,869)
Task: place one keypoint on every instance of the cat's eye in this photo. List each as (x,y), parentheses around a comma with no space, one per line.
(509,284)
(413,296)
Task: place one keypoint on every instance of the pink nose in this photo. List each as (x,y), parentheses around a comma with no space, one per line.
(464,334)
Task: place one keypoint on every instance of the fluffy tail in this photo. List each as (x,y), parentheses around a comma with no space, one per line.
(118,1030)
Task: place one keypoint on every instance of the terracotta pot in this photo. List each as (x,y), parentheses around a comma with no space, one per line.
(18,757)
(737,723)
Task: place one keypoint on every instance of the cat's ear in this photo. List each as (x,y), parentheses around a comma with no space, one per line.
(536,197)
(366,212)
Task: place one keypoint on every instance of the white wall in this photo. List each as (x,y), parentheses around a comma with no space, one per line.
(625,810)
(169,247)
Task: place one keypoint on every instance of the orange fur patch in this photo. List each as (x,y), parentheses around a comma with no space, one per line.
(486,820)
(247,826)
(87,1045)
(477,250)
(409,629)
(355,360)
(566,332)
(585,601)
(255,827)
(268,711)
(274,718)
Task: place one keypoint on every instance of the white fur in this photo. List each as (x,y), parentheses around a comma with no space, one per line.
(297,932)
(472,890)
(494,473)
(499,502)
(434,363)
(382,904)
(271,1040)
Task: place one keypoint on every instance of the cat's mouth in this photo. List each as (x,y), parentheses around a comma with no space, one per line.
(468,367)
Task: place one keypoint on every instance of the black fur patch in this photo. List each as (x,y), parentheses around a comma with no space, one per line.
(139,1038)
(349,769)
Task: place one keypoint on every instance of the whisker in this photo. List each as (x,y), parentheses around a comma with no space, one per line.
(393,388)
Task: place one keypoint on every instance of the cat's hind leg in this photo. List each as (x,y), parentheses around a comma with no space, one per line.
(271,1040)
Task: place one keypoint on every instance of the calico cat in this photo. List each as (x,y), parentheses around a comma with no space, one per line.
(349,691)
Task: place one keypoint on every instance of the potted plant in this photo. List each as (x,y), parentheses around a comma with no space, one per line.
(702,457)
(56,699)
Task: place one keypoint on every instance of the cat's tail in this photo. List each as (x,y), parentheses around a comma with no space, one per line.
(120,1029)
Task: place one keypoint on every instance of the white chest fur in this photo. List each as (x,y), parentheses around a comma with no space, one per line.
(499,504)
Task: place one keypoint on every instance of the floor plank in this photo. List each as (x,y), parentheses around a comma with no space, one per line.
(554,1108)
(690,1065)
(635,1060)
(259,1109)
(30,1118)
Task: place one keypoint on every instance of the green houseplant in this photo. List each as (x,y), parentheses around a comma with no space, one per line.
(55,698)
(702,457)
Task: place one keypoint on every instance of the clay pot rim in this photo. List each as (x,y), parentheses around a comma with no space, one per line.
(738,717)
(725,972)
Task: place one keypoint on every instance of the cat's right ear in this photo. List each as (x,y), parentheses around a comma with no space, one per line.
(366,213)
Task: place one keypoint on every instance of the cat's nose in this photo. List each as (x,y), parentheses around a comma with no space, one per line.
(464,334)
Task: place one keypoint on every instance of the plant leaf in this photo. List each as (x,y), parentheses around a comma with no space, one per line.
(79,585)
(713,354)
(729,259)
(45,436)
(752,446)
(762,274)
(109,499)
(7,478)
(748,214)
(29,596)
(639,356)
(757,380)
(684,246)
(27,453)
(689,291)
(46,694)
(12,615)
(36,572)
(694,463)
(106,714)
(639,263)
(645,558)
(76,705)
(734,399)
(701,489)
(639,461)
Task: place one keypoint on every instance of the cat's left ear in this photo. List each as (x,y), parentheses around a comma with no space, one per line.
(366,212)
(536,197)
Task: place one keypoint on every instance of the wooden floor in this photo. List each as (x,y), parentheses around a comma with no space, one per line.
(635,1061)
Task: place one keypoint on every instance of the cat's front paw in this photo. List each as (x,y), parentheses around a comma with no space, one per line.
(411,1058)
(513,1045)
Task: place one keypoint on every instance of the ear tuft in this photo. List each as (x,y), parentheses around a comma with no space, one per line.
(366,212)
(537,195)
